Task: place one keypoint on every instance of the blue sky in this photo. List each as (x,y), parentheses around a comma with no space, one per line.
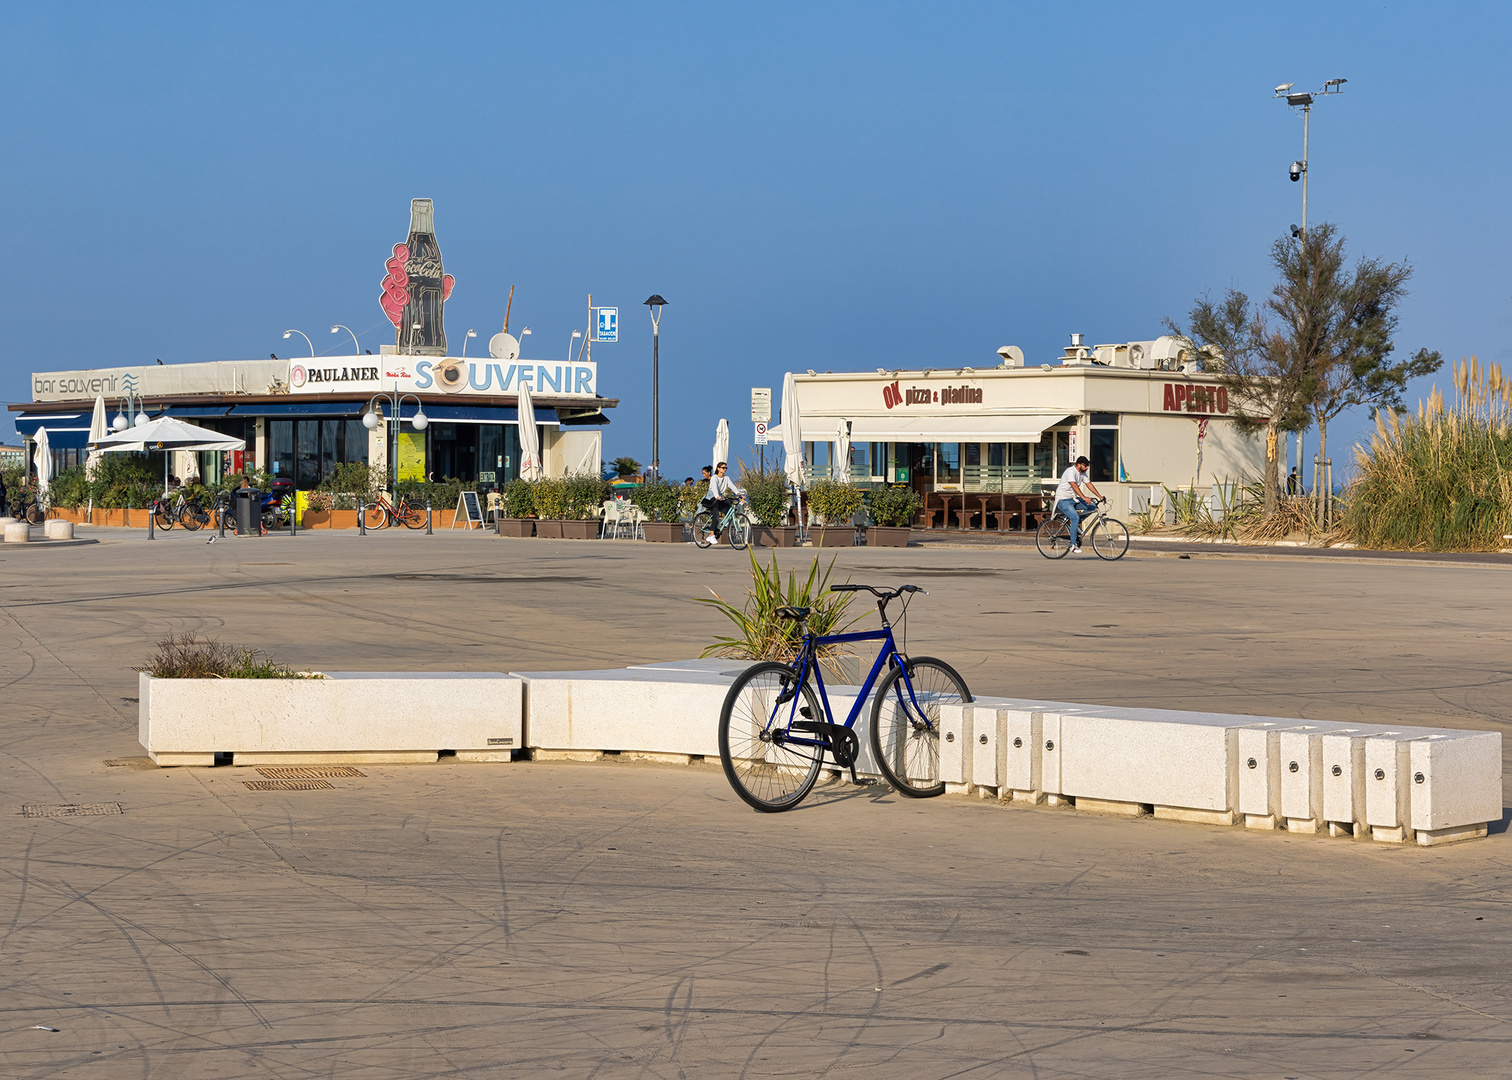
(830,186)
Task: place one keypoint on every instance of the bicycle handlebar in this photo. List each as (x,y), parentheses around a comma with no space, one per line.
(885,594)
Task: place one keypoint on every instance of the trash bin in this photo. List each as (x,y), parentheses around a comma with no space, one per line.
(248,504)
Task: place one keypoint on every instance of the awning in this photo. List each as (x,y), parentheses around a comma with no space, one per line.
(478,414)
(65,431)
(296,408)
(976,427)
(195,410)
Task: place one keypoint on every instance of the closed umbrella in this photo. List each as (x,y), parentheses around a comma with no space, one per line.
(842,453)
(530,440)
(721,443)
(792,439)
(98,429)
(43,458)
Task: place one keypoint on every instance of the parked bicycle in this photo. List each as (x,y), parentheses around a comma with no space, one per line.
(24,507)
(734,524)
(1109,536)
(776,727)
(380,513)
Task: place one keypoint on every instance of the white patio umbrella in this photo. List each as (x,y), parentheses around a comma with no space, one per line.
(99,428)
(167,433)
(842,454)
(721,443)
(792,439)
(530,440)
(43,459)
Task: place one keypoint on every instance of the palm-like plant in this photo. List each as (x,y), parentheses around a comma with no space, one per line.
(760,633)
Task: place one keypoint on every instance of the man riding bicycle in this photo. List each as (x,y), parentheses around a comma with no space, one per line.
(1072,502)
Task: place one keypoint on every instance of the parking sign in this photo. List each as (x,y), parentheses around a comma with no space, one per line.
(608,324)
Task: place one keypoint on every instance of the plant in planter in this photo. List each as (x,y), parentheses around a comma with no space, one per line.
(767,491)
(625,467)
(688,499)
(582,494)
(761,634)
(835,504)
(550,493)
(893,510)
(660,502)
(518,500)
(184,656)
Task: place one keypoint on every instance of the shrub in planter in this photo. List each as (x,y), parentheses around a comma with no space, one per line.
(658,501)
(767,491)
(893,506)
(688,499)
(584,493)
(760,633)
(835,503)
(551,498)
(625,466)
(519,499)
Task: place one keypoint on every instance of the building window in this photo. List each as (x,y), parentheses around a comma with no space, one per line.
(281,448)
(947,463)
(1102,448)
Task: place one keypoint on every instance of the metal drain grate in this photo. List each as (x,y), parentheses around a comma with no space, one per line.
(308,772)
(71,809)
(288,785)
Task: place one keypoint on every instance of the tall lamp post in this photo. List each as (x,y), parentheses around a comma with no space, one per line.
(304,335)
(470,333)
(1304,101)
(655,303)
(370,421)
(356,348)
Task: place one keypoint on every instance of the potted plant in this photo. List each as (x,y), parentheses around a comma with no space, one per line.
(518,499)
(583,494)
(659,502)
(893,510)
(767,491)
(550,494)
(835,504)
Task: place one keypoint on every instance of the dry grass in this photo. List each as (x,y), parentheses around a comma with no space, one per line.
(185,656)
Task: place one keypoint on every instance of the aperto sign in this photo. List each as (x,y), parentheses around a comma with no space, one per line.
(1188,398)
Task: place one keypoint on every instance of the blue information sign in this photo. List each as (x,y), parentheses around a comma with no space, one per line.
(608,324)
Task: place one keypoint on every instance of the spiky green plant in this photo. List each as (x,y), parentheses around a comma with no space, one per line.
(760,633)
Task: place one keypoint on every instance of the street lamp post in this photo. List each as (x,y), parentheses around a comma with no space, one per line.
(470,333)
(370,421)
(356,348)
(1304,101)
(575,335)
(304,335)
(655,303)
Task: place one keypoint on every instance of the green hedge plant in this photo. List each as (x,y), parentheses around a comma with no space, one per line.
(519,499)
(836,503)
(767,491)
(659,500)
(894,506)
(760,633)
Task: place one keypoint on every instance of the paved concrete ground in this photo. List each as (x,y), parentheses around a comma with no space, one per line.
(624,920)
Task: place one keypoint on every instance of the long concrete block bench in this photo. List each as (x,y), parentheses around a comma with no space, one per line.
(348,717)
(1394,784)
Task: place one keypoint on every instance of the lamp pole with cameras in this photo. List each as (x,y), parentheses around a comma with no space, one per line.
(1304,101)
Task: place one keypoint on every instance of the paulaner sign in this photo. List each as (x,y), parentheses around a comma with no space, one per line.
(448,375)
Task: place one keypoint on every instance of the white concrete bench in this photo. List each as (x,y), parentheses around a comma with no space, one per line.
(348,717)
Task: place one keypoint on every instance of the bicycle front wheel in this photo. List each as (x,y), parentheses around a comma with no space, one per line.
(1110,539)
(703,528)
(413,517)
(764,766)
(1053,537)
(374,516)
(739,531)
(191,517)
(35,514)
(905,724)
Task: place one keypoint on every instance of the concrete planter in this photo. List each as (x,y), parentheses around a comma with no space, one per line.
(664,532)
(549,528)
(834,536)
(774,535)
(351,716)
(584,529)
(517,526)
(887,536)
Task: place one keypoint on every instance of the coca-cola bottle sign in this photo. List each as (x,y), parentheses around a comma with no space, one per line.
(415,288)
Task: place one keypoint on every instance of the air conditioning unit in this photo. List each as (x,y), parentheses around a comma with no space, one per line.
(1012,355)
(1167,353)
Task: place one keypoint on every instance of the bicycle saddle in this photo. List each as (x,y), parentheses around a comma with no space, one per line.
(798,613)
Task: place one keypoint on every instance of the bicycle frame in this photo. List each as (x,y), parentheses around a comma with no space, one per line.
(808,662)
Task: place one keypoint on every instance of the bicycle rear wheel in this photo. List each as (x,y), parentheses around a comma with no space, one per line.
(191,517)
(905,724)
(162,517)
(703,528)
(739,531)
(35,515)
(413,517)
(765,769)
(1110,539)
(1053,537)
(374,516)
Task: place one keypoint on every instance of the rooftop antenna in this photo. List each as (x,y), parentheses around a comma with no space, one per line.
(507,308)
(503,346)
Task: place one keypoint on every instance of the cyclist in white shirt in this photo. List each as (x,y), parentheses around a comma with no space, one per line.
(1074,503)
(722,493)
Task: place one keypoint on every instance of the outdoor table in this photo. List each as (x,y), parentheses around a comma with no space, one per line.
(944,497)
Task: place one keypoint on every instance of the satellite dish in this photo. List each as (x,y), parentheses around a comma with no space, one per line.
(504,347)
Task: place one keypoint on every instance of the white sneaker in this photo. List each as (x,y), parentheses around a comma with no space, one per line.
(1076,551)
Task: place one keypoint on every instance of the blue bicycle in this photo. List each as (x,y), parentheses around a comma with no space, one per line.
(775,730)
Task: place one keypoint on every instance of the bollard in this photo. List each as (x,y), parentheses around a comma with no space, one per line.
(150,516)
(294,516)
(427,517)
(361,514)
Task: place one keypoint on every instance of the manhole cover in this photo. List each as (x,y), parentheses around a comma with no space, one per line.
(71,809)
(131,763)
(288,785)
(308,772)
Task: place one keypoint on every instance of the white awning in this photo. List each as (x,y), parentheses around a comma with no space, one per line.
(977,427)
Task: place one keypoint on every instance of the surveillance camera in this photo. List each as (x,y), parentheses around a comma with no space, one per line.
(1296,171)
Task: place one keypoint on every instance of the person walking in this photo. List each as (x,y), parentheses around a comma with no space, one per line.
(1072,502)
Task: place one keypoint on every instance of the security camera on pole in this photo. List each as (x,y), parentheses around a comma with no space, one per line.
(1304,101)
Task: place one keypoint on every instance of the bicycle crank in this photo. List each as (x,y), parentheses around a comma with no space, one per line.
(844,747)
